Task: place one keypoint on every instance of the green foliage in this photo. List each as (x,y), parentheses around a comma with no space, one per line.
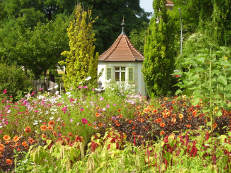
(206,15)
(110,14)
(37,48)
(14,80)
(205,73)
(57,158)
(81,61)
(137,37)
(159,53)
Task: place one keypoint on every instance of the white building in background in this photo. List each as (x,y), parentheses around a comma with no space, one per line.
(122,63)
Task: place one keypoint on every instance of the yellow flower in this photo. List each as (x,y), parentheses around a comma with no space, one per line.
(181,116)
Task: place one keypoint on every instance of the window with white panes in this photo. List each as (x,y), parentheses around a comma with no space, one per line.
(130,74)
(108,73)
(119,73)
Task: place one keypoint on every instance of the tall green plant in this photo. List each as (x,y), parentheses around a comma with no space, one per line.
(81,60)
(158,52)
(205,74)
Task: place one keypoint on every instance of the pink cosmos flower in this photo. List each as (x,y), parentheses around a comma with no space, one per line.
(81,109)
(4,91)
(64,109)
(84,121)
(85,87)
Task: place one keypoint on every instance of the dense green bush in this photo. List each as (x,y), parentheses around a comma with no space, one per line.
(13,80)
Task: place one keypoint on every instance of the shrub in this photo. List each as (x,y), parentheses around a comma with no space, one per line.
(13,80)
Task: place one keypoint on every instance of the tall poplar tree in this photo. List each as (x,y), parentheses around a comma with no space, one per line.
(81,60)
(159,53)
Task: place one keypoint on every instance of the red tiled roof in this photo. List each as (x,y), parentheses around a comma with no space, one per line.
(121,50)
(169,3)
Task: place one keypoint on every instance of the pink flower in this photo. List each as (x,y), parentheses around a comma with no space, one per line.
(81,109)
(4,91)
(71,120)
(85,87)
(84,121)
(64,109)
(80,87)
(101,98)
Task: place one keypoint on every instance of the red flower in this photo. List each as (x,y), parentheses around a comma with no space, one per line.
(93,146)
(84,121)
(27,129)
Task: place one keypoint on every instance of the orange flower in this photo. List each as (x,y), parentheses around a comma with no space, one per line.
(16,139)
(25,144)
(162,124)
(100,124)
(2,147)
(162,132)
(54,133)
(43,127)
(194,113)
(188,125)
(173,120)
(6,137)
(141,120)
(9,162)
(27,129)
(181,116)
(214,125)
(97,114)
(70,134)
(31,140)
(147,110)
(51,123)
(158,120)
(50,127)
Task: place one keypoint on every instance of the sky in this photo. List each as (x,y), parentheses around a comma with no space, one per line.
(146,5)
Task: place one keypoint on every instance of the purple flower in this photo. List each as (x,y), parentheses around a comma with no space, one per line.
(84,121)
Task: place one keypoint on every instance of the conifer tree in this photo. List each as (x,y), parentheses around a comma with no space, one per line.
(81,60)
(159,55)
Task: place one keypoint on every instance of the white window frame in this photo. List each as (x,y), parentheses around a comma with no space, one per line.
(120,70)
(107,73)
(133,74)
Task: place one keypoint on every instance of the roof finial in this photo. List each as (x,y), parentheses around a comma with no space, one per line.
(123,25)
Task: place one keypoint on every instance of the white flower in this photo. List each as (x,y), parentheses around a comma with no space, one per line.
(88,78)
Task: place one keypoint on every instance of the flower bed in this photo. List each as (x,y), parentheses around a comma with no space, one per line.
(108,128)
